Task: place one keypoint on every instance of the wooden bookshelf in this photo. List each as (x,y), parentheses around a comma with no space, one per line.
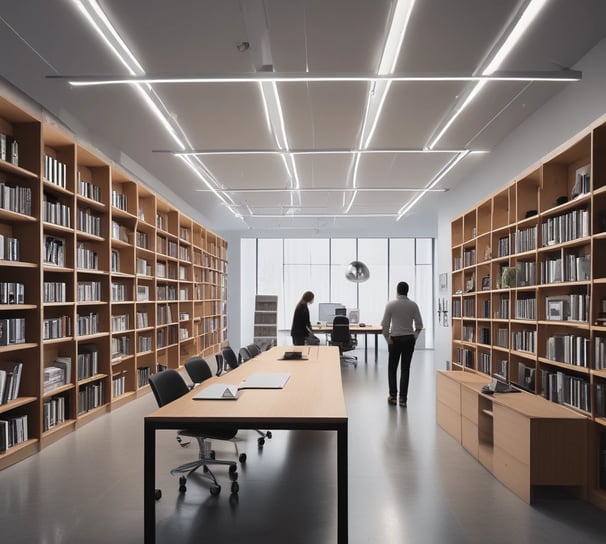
(82,244)
(529,287)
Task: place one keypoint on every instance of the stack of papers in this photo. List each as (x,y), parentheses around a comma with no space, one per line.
(224,391)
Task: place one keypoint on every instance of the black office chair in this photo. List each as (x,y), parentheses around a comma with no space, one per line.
(253,349)
(244,355)
(231,360)
(168,386)
(341,336)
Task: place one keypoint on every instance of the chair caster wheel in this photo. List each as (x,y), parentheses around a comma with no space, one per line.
(158,494)
(233,476)
(268,434)
(235,487)
(261,442)
(212,454)
(232,469)
(182,486)
(215,490)
(242,458)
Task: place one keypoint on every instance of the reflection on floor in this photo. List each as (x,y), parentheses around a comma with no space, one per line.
(409,482)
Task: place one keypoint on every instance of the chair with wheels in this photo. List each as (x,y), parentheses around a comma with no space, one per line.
(232,361)
(341,336)
(253,349)
(168,386)
(244,355)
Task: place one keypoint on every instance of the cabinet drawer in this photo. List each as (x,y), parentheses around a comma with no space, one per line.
(449,392)
(512,433)
(512,472)
(449,420)
(469,436)
(469,404)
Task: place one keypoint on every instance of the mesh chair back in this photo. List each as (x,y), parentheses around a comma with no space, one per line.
(167,386)
(230,358)
(198,370)
(340,331)
(244,355)
(253,349)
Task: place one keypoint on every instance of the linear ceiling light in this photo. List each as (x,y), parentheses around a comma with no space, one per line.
(307,77)
(529,15)
(102,25)
(330,190)
(219,152)
(407,207)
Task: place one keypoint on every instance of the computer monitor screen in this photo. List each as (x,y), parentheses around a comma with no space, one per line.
(328,310)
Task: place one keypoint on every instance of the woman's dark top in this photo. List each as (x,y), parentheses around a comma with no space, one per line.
(300,321)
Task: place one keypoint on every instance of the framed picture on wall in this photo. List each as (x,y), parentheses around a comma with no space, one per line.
(443,281)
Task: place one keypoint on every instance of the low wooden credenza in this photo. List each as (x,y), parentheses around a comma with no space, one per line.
(523,439)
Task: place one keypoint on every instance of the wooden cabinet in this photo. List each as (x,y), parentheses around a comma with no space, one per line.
(529,286)
(524,440)
(266,320)
(102,283)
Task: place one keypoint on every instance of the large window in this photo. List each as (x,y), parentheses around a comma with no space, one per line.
(289,267)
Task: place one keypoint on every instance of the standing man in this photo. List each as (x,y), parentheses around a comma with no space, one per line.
(402,324)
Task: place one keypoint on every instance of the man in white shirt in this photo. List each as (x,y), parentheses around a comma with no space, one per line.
(402,324)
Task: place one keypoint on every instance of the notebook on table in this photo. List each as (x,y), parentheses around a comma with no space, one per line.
(224,391)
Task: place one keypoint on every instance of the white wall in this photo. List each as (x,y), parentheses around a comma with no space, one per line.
(558,120)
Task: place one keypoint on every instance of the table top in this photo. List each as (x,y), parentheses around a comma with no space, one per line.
(354,328)
(313,392)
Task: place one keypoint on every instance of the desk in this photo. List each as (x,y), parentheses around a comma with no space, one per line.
(291,408)
(356,329)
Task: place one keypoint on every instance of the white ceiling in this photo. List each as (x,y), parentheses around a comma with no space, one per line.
(41,38)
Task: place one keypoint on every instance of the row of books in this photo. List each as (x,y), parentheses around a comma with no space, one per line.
(56,327)
(121,346)
(144,343)
(89,222)
(54,412)
(572,268)
(87,324)
(526,239)
(54,291)
(12,293)
(566,389)
(119,232)
(90,396)
(88,189)
(568,348)
(9,149)
(88,362)
(12,331)
(119,385)
(86,258)
(13,431)
(55,212)
(89,291)
(119,200)
(16,198)
(55,171)
(10,381)
(119,292)
(566,227)
(120,323)
(9,248)
(524,340)
(54,250)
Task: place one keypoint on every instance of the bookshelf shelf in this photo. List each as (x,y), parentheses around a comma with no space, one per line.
(76,226)
(539,242)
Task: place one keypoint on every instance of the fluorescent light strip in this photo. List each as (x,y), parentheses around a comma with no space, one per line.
(330,190)
(220,152)
(319,215)
(407,207)
(510,42)
(395,36)
(258,77)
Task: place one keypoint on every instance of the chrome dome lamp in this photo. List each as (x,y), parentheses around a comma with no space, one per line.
(357,272)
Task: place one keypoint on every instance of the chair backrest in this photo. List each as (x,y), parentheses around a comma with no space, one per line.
(167,386)
(244,355)
(340,330)
(230,358)
(198,370)
(219,360)
(253,349)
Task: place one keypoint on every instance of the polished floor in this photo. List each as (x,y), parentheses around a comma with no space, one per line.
(409,482)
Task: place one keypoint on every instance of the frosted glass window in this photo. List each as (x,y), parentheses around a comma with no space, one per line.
(270,276)
(424,251)
(306,251)
(248,289)
(373,293)
(342,252)
(297,280)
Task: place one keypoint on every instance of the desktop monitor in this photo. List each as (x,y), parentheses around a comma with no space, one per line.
(328,310)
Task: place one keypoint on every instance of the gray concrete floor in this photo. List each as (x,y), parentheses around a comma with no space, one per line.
(409,482)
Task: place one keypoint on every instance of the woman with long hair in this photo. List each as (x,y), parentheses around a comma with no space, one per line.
(301,325)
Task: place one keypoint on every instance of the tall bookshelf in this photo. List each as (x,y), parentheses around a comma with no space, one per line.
(529,287)
(102,283)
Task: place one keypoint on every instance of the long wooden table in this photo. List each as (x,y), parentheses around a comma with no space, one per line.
(356,329)
(312,399)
